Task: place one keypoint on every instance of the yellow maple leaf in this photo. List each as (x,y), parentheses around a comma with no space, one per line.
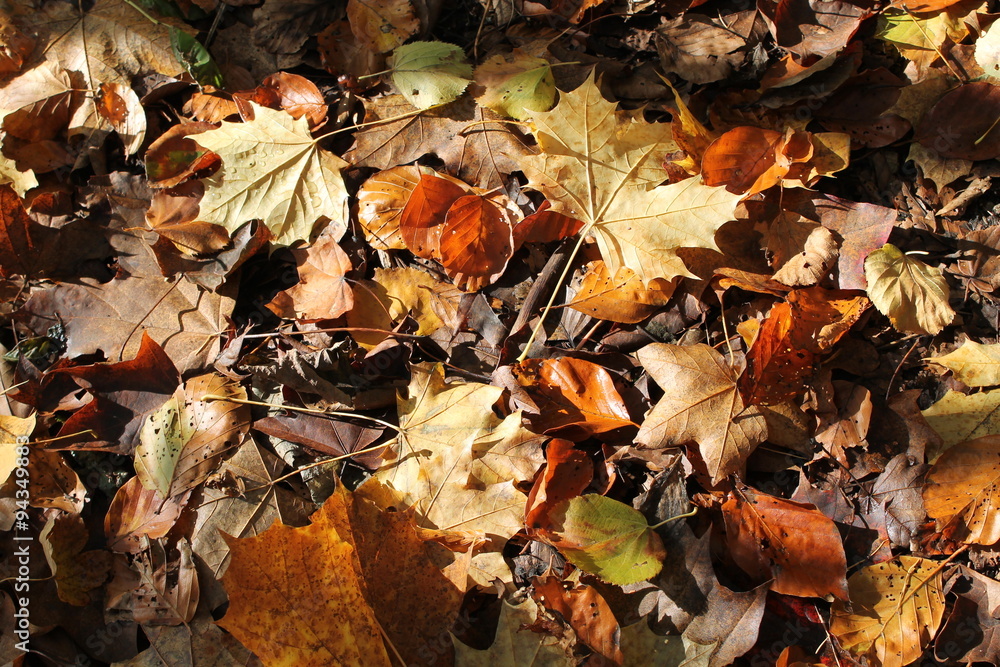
(454,460)
(273,170)
(602,166)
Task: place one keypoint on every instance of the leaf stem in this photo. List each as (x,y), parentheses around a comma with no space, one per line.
(294,408)
(555,292)
(674,518)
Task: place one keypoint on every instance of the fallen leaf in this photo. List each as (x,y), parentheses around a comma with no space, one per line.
(423,216)
(819,255)
(586,612)
(701,404)
(622,297)
(895,610)
(272,169)
(14,432)
(411,294)
(912,294)
(276,577)
(977,595)
(598,165)
(475,144)
(381,201)
(382,25)
(113,317)
(322,291)
(605,537)
(577,399)
(950,130)
(514,644)
(958,417)
(567,473)
(516,84)
(77,572)
(429,74)
(793,542)
(137,513)
(974,364)
(960,488)
(476,241)
(38,103)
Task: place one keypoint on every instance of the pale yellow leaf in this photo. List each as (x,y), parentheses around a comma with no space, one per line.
(602,166)
(912,294)
(958,417)
(273,170)
(974,364)
(12,430)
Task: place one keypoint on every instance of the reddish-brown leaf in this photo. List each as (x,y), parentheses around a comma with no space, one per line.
(963,123)
(568,471)
(423,216)
(586,611)
(476,241)
(792,542)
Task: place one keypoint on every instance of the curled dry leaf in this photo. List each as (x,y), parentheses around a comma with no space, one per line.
(818,256)
(137,512)
(895,610)
(322,291)
(961,491)
(622,297)
(568,471)
(701,404)
(912,294)
(587,613)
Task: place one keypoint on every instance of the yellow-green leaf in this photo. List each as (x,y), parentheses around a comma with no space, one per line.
(273,170)
(607,538)
(429,73)
(161,440)
(912,294)
(516,86)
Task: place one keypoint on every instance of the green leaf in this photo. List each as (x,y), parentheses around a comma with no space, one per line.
(429,73)
(195,58)
(518,87)
(607,538)
(161,440)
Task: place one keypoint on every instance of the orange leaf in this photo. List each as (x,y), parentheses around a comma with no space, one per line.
(793,542)
(577,398)
(622,297)
(962,488)
(285,575)
(586,611)
(423,216)
(476,241)
(743,159)
(322,291)
(136,512)
(791,338)
(545,225)
(568,471)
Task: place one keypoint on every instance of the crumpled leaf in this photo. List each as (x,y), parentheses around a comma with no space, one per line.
(429,74)
(974,364)
(895,610)
(272,169)
(514,645)
(700,404)
(912,294)
(431,462)
(600,165)
(586,611)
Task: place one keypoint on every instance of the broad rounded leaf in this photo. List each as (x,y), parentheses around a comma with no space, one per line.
(422,218)
(962,490)
(516,85)
(429,73)
(476,241)
(381,200)
(607,538)
(912,294)
(895,610)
